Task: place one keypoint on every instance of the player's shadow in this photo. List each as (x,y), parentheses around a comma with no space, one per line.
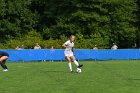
(54,71)
(134,79)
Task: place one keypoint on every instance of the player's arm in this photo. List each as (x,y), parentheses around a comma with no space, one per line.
(72,49)
(65,45)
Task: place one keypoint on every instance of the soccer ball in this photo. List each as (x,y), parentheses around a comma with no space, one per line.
(78,70)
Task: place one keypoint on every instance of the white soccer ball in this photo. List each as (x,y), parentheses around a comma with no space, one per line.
(78,70)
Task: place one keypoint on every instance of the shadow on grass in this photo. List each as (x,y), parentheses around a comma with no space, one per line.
(54,71)
(134,79)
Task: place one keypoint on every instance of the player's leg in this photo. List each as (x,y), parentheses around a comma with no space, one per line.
(75,62)
(69,62)
(3,61)
(5,64)
(3,58)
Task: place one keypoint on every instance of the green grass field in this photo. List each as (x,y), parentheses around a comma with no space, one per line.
(46,77)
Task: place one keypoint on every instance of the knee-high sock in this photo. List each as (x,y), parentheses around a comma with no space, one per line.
(70,66)
(5,66)
(76,63)
(2,65)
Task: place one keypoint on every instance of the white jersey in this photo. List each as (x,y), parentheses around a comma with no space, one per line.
(68,50)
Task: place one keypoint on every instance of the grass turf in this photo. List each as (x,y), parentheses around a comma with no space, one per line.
(97,77)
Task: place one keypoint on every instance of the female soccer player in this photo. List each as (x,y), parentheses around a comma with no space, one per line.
(69,52)
(3,57)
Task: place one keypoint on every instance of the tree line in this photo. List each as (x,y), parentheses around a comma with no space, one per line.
(51,22)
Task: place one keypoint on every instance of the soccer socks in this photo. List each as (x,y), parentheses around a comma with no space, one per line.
(70,66)
(76,63)
(3,66)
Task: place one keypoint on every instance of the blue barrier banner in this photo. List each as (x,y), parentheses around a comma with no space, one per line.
(81,54)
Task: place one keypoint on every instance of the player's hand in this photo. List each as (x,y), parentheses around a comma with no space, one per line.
(66,46)
(73,54)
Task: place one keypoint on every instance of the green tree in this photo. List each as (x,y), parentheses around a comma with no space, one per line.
(122,20)
(138,24)
(16,18)
(100,22)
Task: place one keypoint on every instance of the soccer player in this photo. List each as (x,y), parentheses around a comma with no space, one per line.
(69,52)
(3,57)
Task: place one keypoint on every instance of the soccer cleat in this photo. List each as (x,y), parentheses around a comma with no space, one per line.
(80,66)
(5,70)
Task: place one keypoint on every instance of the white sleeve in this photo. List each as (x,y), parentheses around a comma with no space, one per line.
(66,43)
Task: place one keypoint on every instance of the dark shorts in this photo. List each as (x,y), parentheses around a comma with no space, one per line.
(2,53)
